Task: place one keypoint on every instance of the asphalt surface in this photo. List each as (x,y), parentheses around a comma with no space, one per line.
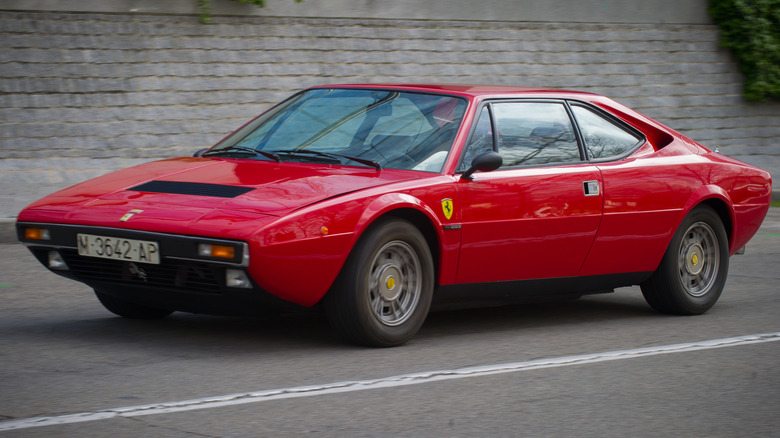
(66,359)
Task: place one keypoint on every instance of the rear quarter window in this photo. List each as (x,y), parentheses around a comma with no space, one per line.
(603,138)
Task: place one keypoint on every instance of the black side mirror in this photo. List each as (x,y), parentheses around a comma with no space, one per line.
(199,152)
(484,162)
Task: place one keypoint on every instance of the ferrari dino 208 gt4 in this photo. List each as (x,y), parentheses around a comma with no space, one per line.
(372,200)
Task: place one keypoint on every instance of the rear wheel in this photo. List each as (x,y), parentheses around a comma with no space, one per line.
(126,309)
(384,292)
(693,272)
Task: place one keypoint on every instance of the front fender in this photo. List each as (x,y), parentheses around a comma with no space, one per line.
(299,256)
(428,215)
(389,202)
(426,208)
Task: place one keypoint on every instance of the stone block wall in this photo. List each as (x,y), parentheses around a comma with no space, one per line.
(85,93)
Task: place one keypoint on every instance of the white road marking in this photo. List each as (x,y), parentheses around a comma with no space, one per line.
(385,382)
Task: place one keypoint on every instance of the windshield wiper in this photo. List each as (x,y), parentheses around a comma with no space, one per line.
(372,163)
(243,149)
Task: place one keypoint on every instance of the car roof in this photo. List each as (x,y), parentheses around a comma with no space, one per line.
(659,134)
(476,90)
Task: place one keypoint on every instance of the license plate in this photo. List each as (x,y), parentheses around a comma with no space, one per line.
(117,248)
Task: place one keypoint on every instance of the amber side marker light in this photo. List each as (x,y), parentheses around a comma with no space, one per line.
(35,233)
(216,251)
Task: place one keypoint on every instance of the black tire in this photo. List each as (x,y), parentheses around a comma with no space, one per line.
(692,273)
(126,309)
(384,291)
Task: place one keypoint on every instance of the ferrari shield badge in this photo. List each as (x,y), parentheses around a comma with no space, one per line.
(447,207)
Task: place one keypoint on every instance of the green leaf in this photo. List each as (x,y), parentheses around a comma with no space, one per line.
(751,29)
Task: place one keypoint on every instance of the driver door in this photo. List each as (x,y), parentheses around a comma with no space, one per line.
(536,216)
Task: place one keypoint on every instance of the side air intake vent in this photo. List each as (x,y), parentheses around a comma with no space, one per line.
(191,188)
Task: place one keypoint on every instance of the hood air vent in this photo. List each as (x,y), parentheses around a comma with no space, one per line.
(191,188)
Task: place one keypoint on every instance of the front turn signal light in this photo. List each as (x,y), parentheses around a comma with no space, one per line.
(36,233)
(216,251)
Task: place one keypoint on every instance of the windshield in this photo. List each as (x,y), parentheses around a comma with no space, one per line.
(379,128)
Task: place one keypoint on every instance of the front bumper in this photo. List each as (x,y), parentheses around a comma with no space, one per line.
(184,280)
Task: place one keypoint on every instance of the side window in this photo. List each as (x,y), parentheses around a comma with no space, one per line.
(602,138)
(481,139)
(534,133)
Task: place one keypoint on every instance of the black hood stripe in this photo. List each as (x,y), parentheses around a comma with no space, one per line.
(192,188)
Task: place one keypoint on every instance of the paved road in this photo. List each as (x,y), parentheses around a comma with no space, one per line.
(61,354)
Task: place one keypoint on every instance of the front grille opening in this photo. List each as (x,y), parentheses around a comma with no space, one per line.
(170,274)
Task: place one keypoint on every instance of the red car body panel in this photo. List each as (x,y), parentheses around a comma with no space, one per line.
(301,221)
(541,216)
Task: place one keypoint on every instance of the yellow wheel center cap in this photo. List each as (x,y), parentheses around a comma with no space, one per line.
(692,256)
(388,286)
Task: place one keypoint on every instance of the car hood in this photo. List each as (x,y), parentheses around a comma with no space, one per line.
(204,184)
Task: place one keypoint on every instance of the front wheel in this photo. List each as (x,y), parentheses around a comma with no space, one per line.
(693,272)
(130,310)
(383,294)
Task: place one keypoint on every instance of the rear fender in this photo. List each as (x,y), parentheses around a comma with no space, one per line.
(720,201)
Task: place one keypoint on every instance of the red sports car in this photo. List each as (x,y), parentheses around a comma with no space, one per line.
(374,199)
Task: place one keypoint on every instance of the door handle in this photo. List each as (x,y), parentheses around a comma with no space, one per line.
(591,188)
